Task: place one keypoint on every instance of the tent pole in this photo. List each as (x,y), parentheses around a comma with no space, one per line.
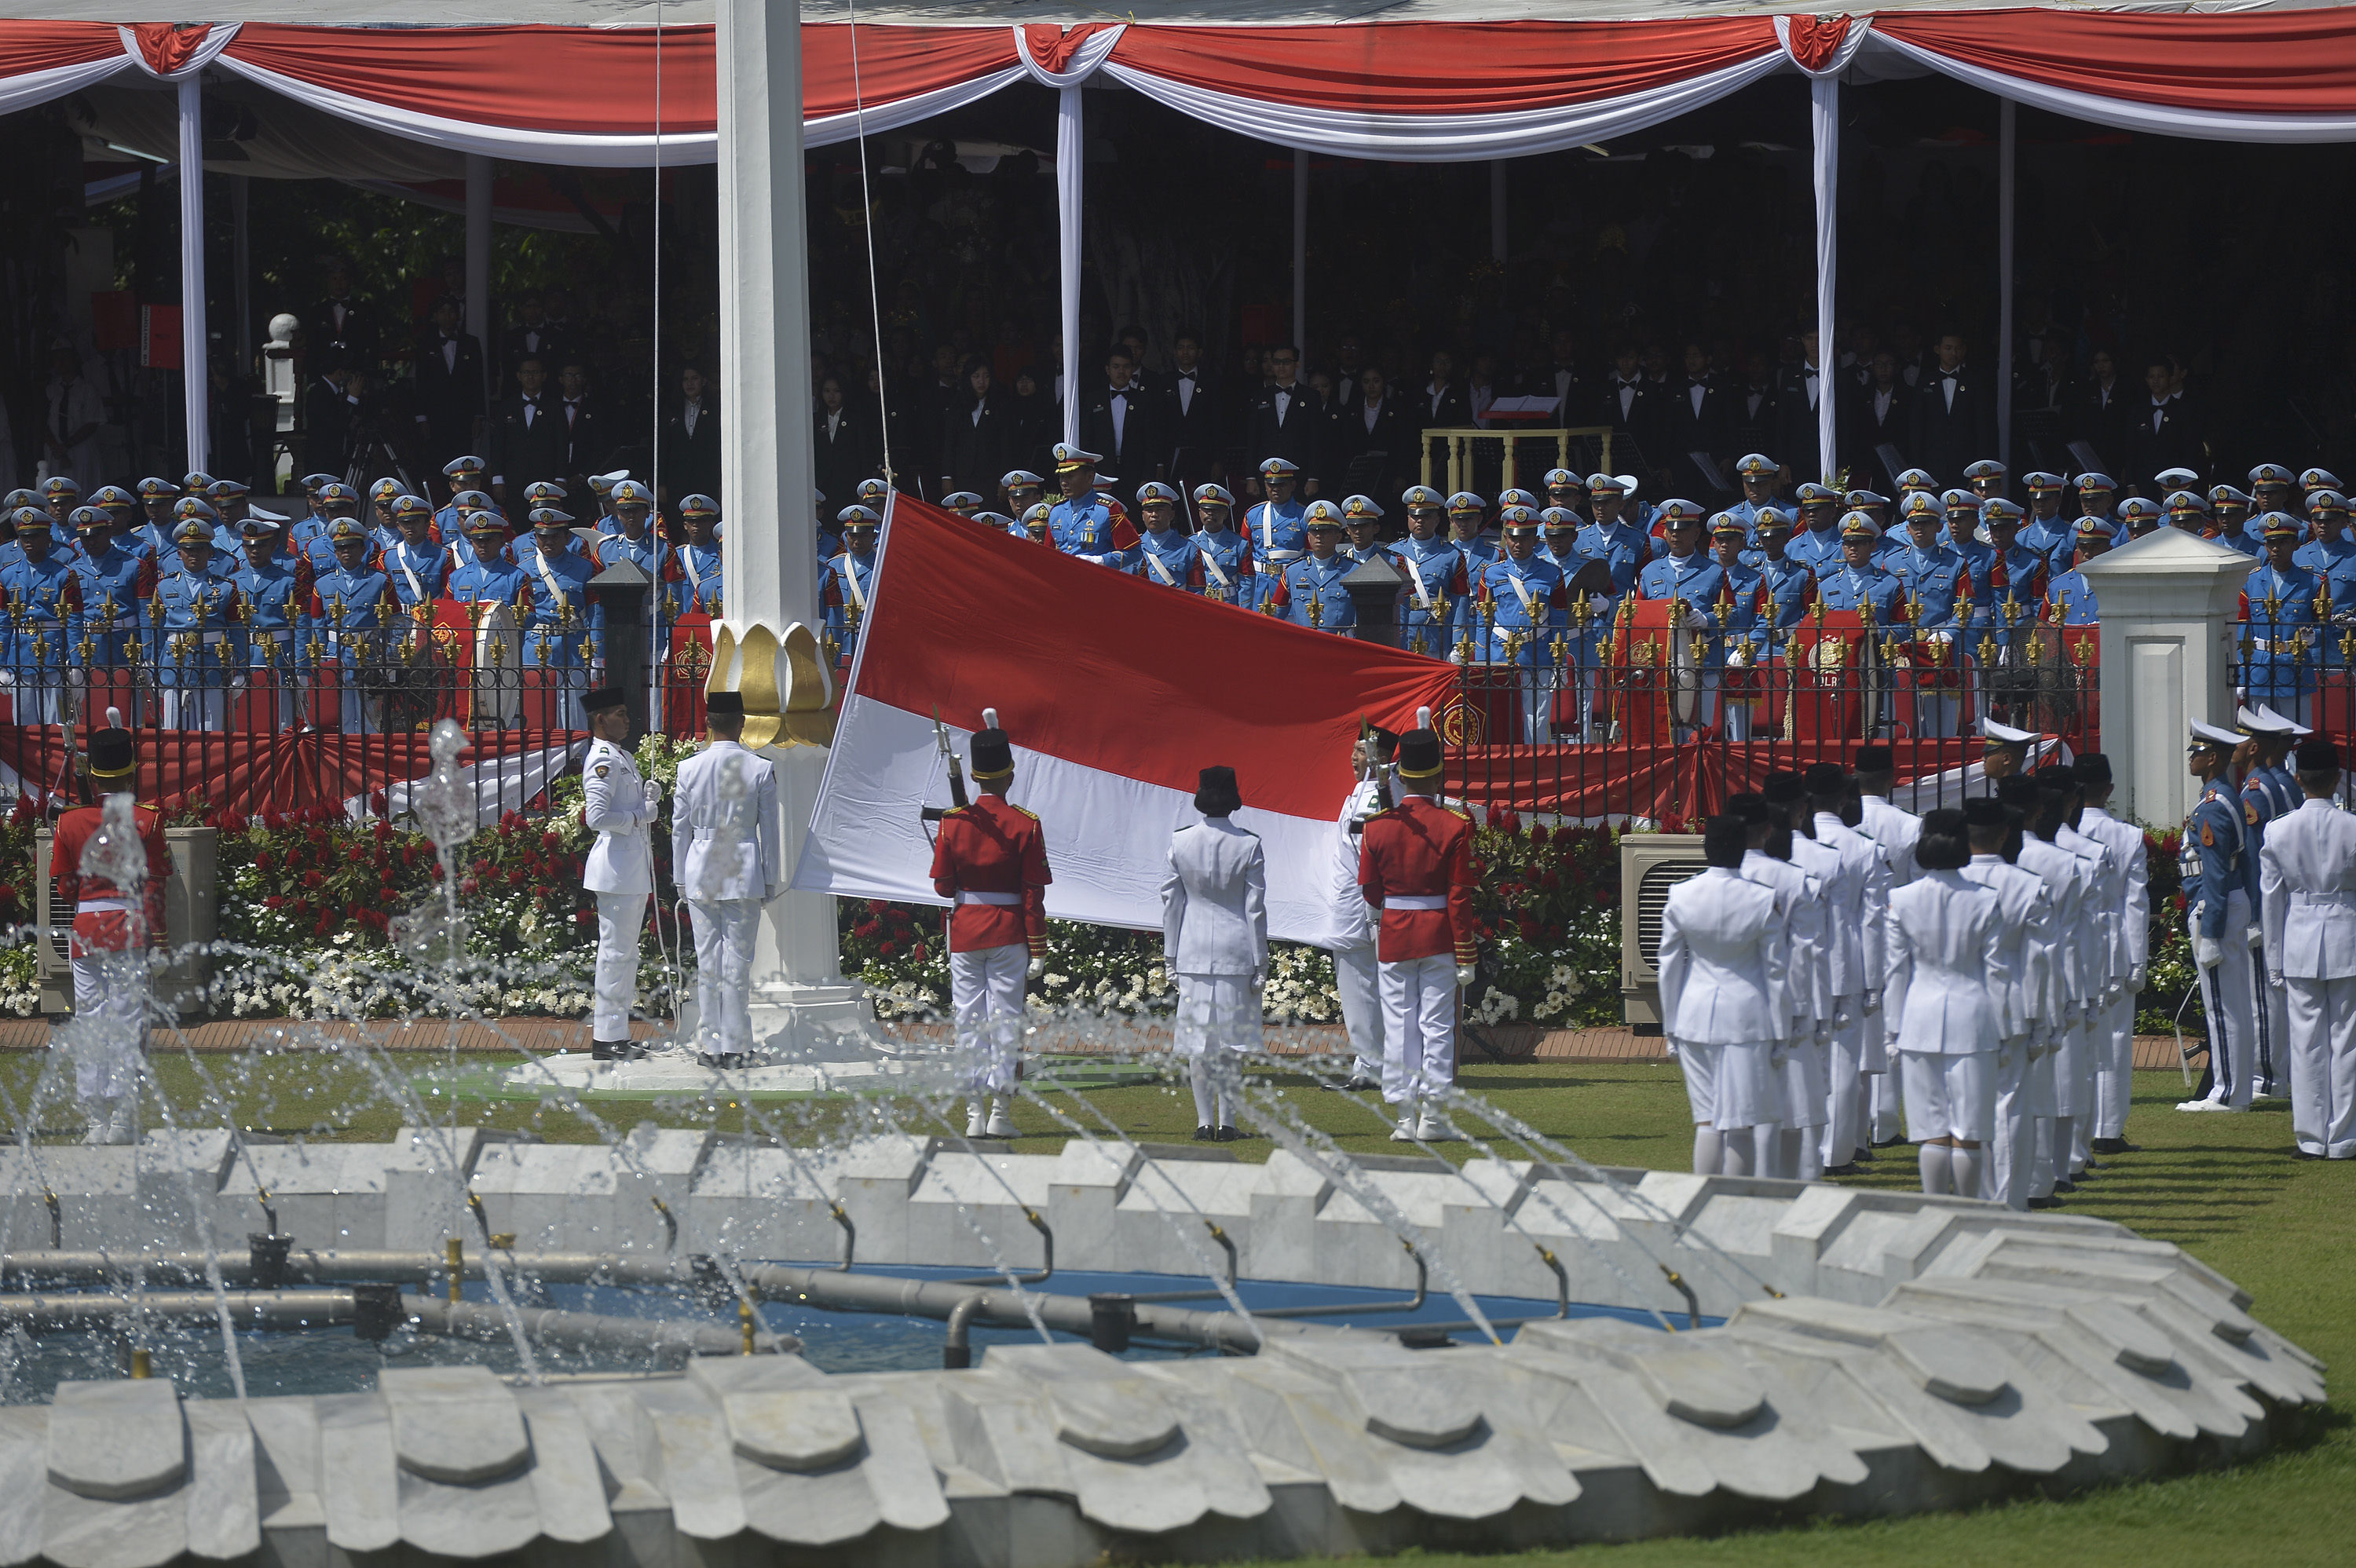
(1301,254)
(196,384)
(478,262)
(1497,209)
(240,190)
(1071,187)
(1824,105)
(2005,143)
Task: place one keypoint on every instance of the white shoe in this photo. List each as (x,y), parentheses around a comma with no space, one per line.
(1405,1132)
(974,1121)
(2206,1105)
(120,1129)
(1430,1128)
(1001,1125)
(101,1117)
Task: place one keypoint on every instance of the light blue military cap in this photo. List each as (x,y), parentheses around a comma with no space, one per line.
(1323,514)
(1068,457)
(1519,519)
(1559,519)
(873,491)
(1151,490)
(1360,509)
(2318,479)
(1772,518)
(1517,498)
(2176,478)
(2090,483)
(957,500)
(1421,496)
(2135,509)
(1465,501)
(2041,483)
(1917,479)
(1921,504)
(1985,469)
(2270,473)
(1755,465)
(1997,509)
(1562,479)
(549,517)
(1598,483)
(2326,501)
(1213,496)
(1677,510)
(1813,494)
(856,516)
(1276,467)
(2178,502)
(1959,500)
(1016,479)
(2226,495)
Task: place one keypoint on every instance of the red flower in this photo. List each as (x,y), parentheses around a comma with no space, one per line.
(274,821)
(583,916)
(1549,881)
(551,839)
(916,954)
(265,861)
(469,888)
(380,830)
(376,802)
(312,880)
(876,906)
(866,928)
(273,901)
(1530,929)
(436,870)
(885,949)
(1537,833)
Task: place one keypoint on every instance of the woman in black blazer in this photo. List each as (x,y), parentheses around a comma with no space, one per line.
(976,435)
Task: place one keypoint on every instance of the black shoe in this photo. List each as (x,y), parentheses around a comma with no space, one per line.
(610,1051)
(2061,1185)
(1205,1135)
(2306,1154)
(730,1060)
(2112,1146)
(1227,1133)
(1888,1143)
(1355,1085)
(2045,1203)
(1861,1157)
(1851,1169)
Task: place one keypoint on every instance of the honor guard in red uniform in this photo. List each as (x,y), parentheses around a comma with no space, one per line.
(116,892)
(991,862)
(1415,865)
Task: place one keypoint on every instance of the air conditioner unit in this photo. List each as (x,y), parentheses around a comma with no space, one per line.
(191,917)
(1650,864)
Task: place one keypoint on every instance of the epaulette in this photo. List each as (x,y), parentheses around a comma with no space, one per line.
(955,811)
(1027,811)
(1459,811)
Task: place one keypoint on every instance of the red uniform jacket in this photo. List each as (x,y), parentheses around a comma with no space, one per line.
(991,847)
(1420,849)
(113,930)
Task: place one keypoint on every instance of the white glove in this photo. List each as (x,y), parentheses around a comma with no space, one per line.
(1841,1018)
(1463,975)
(1872,1003)
(1258,979)
(1672,1051)
(1776,1053)
(73,675)
(1738,657)
(2254,937)
(2135,977)
(1456,656)
(2208,951)
(1697,622)
(1036,967)
(653,793)
(2273,977)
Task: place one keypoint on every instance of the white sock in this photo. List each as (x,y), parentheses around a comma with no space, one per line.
(1787,1153)
(1965,1165)
(1936,1173)
(1811,1165)
(1205,1115)
(1709,1150)
(1735,1149)
(1763,1140)
(2065,1132)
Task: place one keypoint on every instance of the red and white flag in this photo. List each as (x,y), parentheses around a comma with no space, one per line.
(1115,692)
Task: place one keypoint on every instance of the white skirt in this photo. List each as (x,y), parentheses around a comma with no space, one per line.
(1216,1012)
(1949,1096)
(1806,1084)
(1730,1086)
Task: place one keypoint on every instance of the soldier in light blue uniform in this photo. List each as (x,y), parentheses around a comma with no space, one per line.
(2229,512)
(601,490)
(310,525)
(1226,555)
(153,535)
(2096,492)
(1586,637)
(2274,487)
(1686,572)
(380,495)
(2137,517)
(1817,540)
(276,590)
(1935,576)
(485,579)
(1525,608)
(1736,633)
(1277,526)
(1022,489)
(2214,864)
(353,616)
(1962,519)
(639,545)
(2069,597)
(2331,557)
(849,577)
(964,503)
(1857,583)
(1986,478)
(1082,524)
(698,556)
(564,639)
(193,616)
(1755,471)
(1165,553)
(1558,538)
(1568,491)
(2279,605)
(464,476)
(1467,519)
(43,597)
(1310,592)
(336,500)
(548,494)
(1362,529)
(2013,589)
(115,582)
(1439,577)
(2047,531)
(1787,587)
(415,565)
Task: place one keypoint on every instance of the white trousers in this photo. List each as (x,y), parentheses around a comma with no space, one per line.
(2004,1176)
(619,916)
(1704,706)
(1537,705)
(1359,979)
(110,1003)
(2323,1065)
(197,707)
(2229,997)
(1418,1028)
(39,700)
(2113,1057)
(1844,1069)
(723,974)
(986,1000)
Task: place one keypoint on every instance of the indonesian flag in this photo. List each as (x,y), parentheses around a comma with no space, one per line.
(1115,692)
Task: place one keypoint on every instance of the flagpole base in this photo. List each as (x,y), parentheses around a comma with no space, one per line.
(793,1022)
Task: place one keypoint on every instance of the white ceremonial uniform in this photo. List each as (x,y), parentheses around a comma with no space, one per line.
(2073,1072)
(2113,1034)
(620,870)
(1897,831)
(1799,901)
(2073,959)
(1356,974)
(724,832)
(1724,962)
(1215,934)
(1858,900)
(2025,999)
(2307,884)
(1946,968)
(1807,1065)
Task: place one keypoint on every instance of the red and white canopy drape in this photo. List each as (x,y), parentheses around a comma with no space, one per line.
(1439,91)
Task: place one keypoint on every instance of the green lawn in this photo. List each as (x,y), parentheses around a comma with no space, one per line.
(2225,1188)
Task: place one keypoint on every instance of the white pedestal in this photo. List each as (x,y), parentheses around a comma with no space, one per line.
(803,1008)
(2169,639)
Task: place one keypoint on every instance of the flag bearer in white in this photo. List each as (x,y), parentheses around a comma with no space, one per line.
(1355,971)
(1215,940)
(1415,864)
(723,827)
(1860,898)
(1723,960)
(1807,988)
(2114,1030)
(2106,904)
(618,806)
(990,863)
(1808,1084)
(1895,831)
(2307,886)
(1946,968)
(2022,1001)
(2076,965)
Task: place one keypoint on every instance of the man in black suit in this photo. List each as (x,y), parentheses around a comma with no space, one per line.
(528,441)
(340,331)
(1559,379)
(843,445)
(533,336)
(449,384)
(1882,417)
(1118,423)
(2100,411)
(2164,434)
(1286,419)
(1632,407)
(1375,427)
(1696,420)
(1954,415)
(330,402)
(1798,452)
(690,439)
(1192,415)
(585,431)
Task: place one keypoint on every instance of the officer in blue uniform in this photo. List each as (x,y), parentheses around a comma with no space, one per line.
(1986,478)
(1756,473)
(1611,499)
(1962,519)
(1165,552)
(2136,517)
(2095,500)
(462,475)
(851,576)
(1467,520)
(153,536)
(1438,575)
(1224,554)
(42,593)
(2047,531)
(1523,602)
(353,616)
(1817,540)
(381,497)
(59,496)
(2069,597)
(1309,592)
(1736,633)
(1081,522)
(698,556)
(1935,576)
(563,644)
(192,616)
(115,582)
(492,588)
(277,591)
(638,544)
(415,565)
(2282,627)
(2229,513)
(310,525)
(1361,530)
(1787,587)
(547,495)
(2013,589)
(1857,583)
(2214,864)
(1568,491)
(1558,538)
(1686,571)
(1277,526)
(2331,557)
(1023,490)
(2310,480)
(2188,512)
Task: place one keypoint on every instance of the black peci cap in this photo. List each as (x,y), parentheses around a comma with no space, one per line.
(1725,840)
(1982,812)
(1783,787)
(1750,808)
(2318,756)
(724,703)
(1876,759)
(597,699)
(2091,768)
(2017,791)
(1216,793)
(1824,778)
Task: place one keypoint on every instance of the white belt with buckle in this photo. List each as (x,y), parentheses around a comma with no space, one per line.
(100,906)
(1006,901)
(1416,901)
(2332,899)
